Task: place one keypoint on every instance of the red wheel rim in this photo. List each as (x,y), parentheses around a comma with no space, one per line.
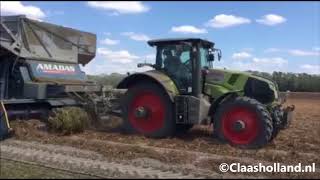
(248,132)
(155,112)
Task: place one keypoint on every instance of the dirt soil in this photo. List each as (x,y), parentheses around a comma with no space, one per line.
(12,170)
(197,152)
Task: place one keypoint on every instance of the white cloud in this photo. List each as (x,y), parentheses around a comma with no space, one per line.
(122,56)
(261,64)
(187,29)
(150,57)
(108,41)
(103,64)
(271,19)
(17,8)
(120,7)
(316,48)
(278,61)
(223,20)
(136,36)
(54,12)
(298,52)
(311,69)
(241,55)
(107,67)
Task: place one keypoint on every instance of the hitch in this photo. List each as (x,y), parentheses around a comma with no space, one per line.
(101,101)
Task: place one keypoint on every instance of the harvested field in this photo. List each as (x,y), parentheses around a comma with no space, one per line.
(195,154)
(304,95)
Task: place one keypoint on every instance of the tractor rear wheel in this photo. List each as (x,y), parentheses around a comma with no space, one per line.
(147,110)
(243,122)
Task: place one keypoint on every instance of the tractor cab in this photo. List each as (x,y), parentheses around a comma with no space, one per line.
(183,61)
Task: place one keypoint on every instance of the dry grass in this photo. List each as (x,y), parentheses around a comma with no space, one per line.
(68,120)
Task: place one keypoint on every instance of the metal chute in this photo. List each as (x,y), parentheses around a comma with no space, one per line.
(32,39)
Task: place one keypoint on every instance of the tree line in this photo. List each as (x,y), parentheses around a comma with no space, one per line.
(107,79)
(295,82)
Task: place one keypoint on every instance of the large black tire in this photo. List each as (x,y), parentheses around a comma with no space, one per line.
(276,123)
(243,122)
(159,122)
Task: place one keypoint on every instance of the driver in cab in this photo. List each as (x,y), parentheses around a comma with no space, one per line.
(179,71)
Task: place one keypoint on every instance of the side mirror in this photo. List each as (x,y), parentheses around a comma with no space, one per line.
(219,55)
(139,65)
(210,57)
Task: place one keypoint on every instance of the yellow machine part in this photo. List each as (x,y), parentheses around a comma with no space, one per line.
(6,119)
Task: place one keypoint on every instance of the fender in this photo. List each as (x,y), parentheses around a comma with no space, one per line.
(216,91)
(151,76)
(215,104)
(219,94)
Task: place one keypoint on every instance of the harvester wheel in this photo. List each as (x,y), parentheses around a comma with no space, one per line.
(147,110)
(243,122)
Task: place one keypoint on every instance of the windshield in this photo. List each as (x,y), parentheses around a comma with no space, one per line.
(172,54)
(203,57)
(204,54)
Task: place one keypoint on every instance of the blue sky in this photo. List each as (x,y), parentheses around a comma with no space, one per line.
(265,36)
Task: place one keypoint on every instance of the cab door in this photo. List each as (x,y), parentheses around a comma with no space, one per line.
(176,63)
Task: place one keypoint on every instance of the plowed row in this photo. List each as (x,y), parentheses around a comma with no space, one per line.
(196,154)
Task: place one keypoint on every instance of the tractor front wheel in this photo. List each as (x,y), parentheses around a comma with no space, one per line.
(147,110)
(243,122)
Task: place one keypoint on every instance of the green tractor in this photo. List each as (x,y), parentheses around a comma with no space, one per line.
(183,90)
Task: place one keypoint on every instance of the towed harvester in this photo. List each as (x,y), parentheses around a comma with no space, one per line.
(40,71)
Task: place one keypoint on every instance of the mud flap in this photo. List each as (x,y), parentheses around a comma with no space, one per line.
(5,129)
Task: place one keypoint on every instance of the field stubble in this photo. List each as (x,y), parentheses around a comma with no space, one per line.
(197,150)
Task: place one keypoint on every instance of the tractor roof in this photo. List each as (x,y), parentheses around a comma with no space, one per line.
(157,42)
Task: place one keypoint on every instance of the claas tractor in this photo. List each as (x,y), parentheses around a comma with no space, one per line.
(183,90)
(40,71)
